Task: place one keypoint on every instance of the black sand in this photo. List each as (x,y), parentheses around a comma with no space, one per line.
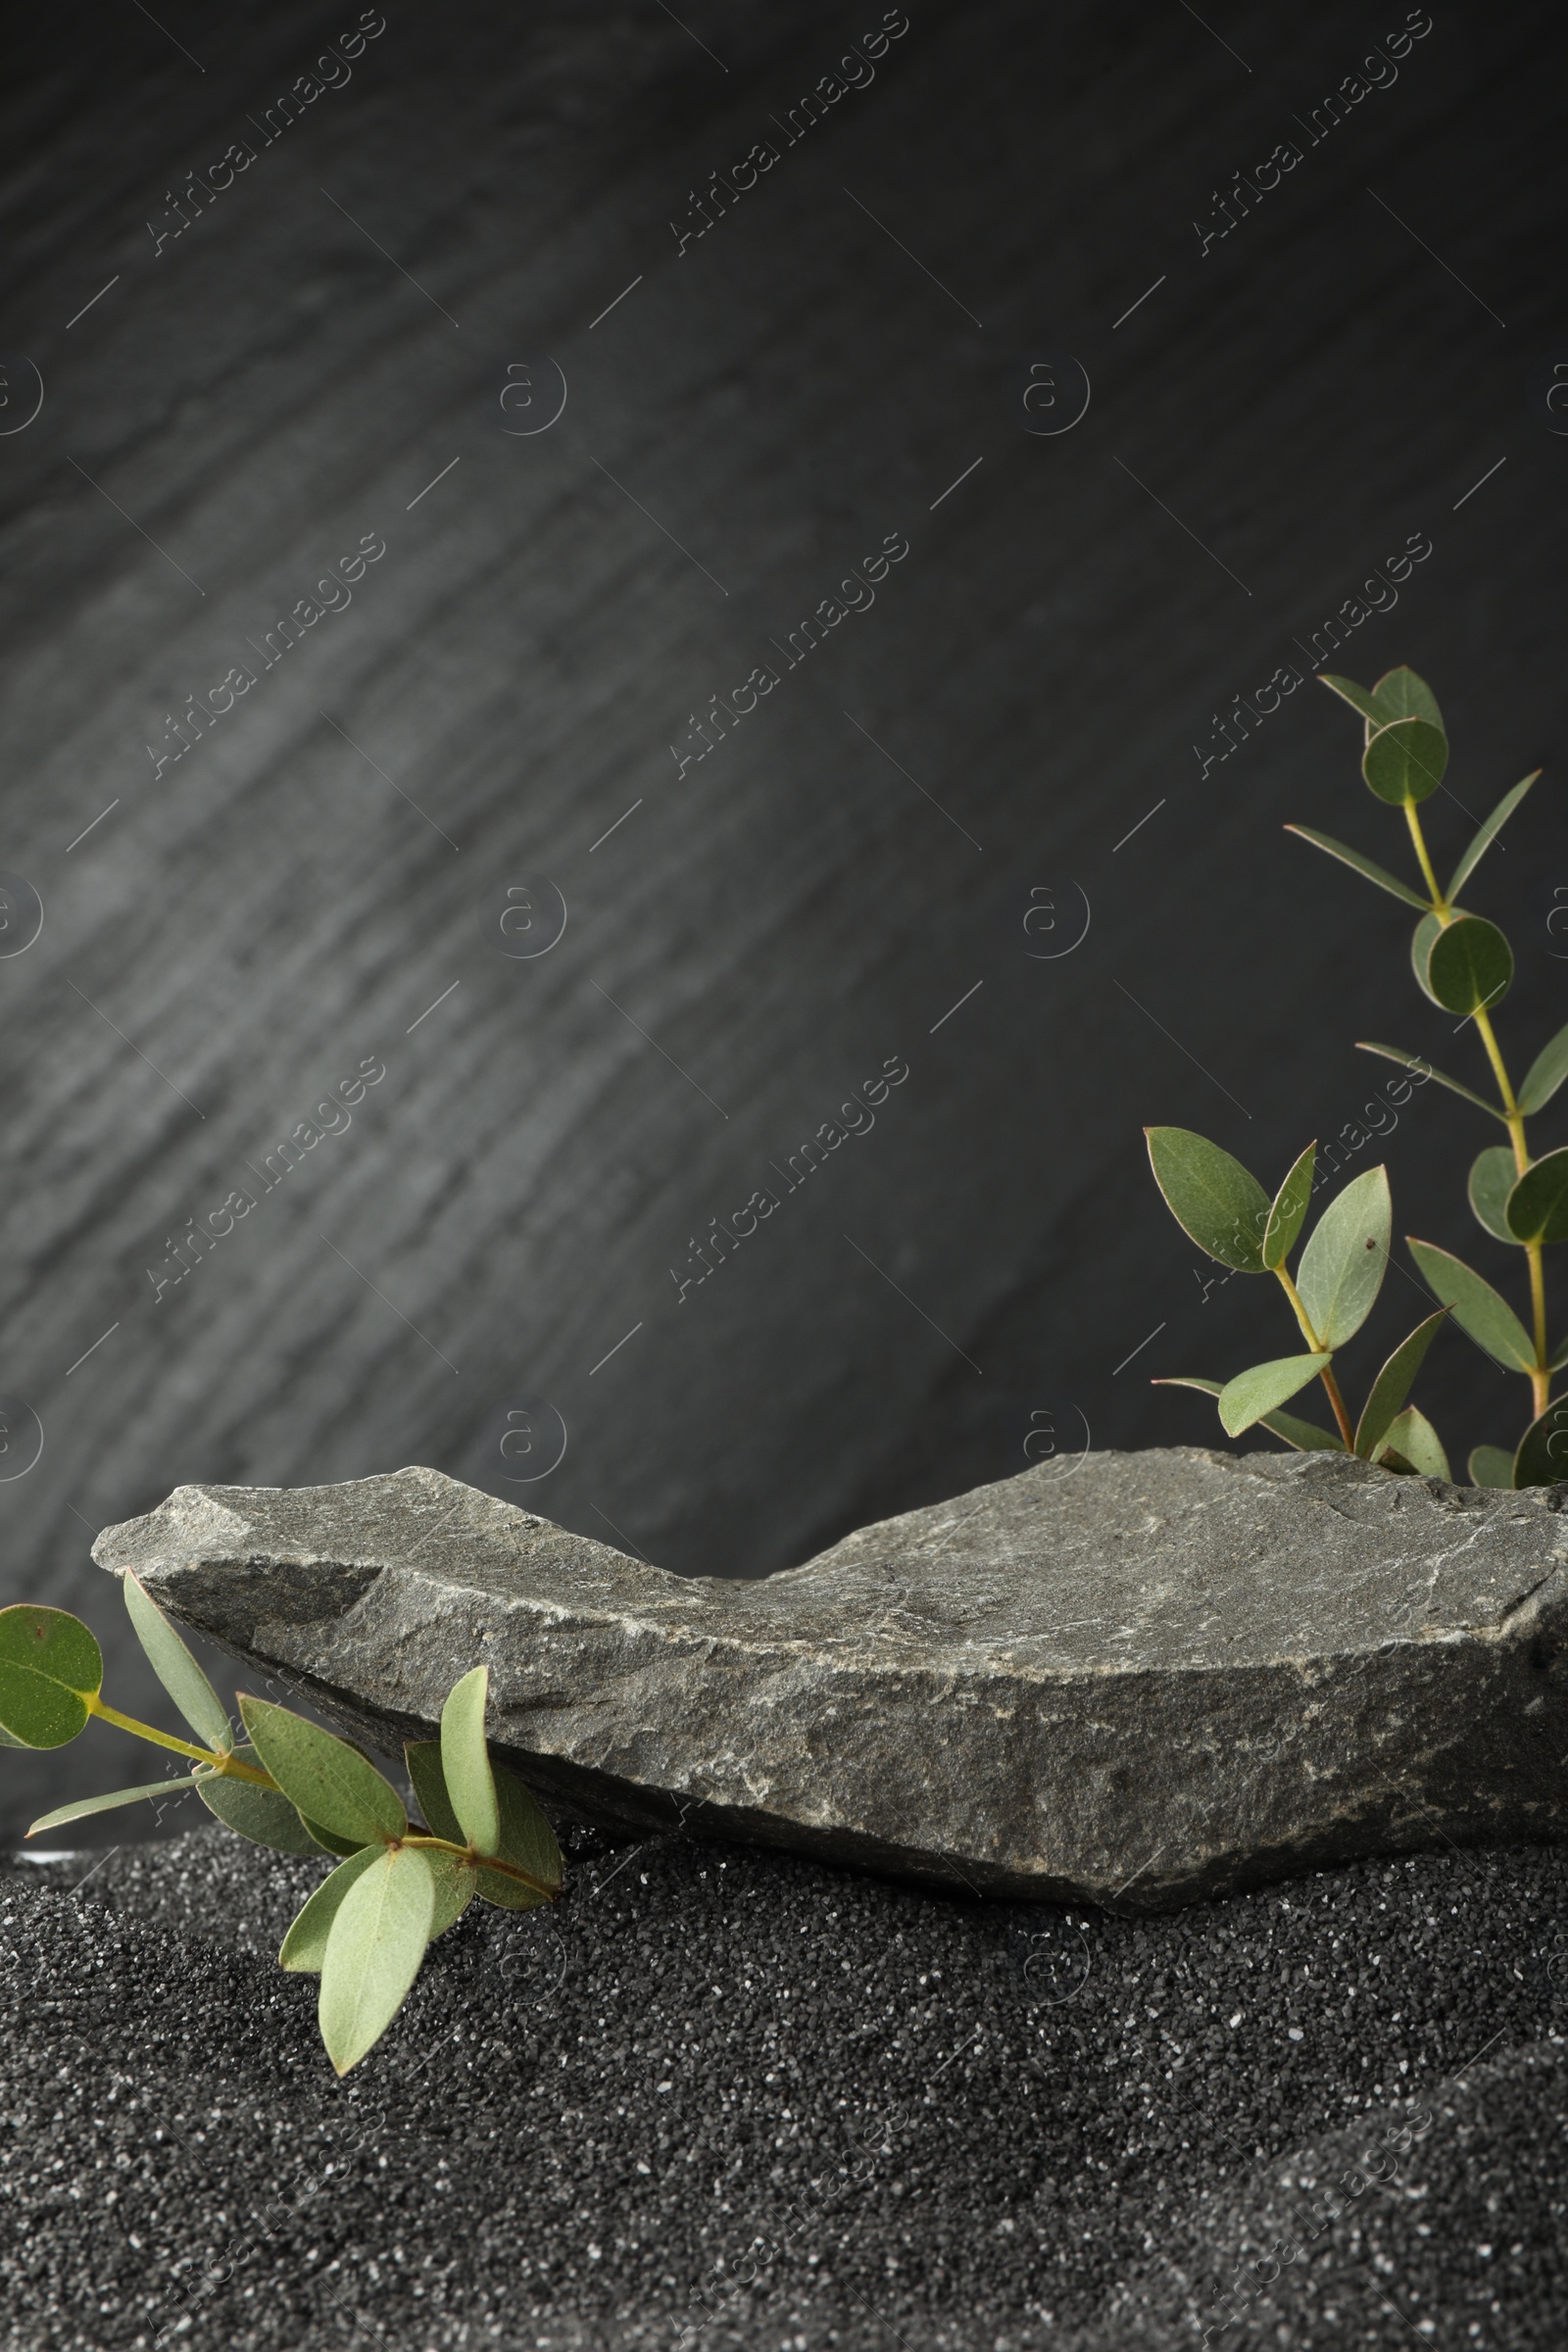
(791,2108)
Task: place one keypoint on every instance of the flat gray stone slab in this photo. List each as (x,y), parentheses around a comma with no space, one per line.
(1142,1678)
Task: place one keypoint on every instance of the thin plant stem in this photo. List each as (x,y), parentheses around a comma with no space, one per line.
(1331,1384)
(1440,905)
(477,1861)
(145,1731)
(231,1767)
(1539,1377)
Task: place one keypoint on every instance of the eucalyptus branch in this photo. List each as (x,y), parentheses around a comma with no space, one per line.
(1464,964)
(398,1883)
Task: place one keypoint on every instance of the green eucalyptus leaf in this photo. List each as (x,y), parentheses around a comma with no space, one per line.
(1544,1075)
(1557,1361)
(1487,835)
(331,1842)
(1542,1456)
(508,1894)
(424,1760)
(1343,1265)
(1361,865)
(1394,1384)
(1413,1439)
(1288,1214)
(262,1815)
(1538,1206)
(1491,1466)
(1254,1392)
(1465,967)
(325,1842)
(1477,1307)
(526,1836)
(455,1883)
(465,1761)
(1423,938)
(1305,1436)
(1401,694)
(304,1948)
(50,1667)
(1212,1197)
(1404,763)
(175,1785)
(1359,697)
(1491,1179)
(329,1781)
(9,1739)
(373,1950)
(192,1693)
(1414,1061)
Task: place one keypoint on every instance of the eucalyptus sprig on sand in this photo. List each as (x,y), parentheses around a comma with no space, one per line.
(285,1782)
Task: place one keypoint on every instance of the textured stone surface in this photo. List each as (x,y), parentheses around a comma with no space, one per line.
(1148,1678)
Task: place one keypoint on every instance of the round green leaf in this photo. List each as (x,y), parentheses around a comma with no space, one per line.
(373,1951)
(465,1761)
(1422,941)
(1538,1204)
(1491,1180)
(1467,965)
(1491,1466)
(1343,1265)
(1542,1456)
(1401,694)
(1212,1197)
(327,1779)
(1404,763)
(50,1667)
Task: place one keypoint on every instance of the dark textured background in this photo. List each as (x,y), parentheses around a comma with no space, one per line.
(235,934)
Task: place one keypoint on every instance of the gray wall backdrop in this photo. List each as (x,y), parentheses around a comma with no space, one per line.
(972,832)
